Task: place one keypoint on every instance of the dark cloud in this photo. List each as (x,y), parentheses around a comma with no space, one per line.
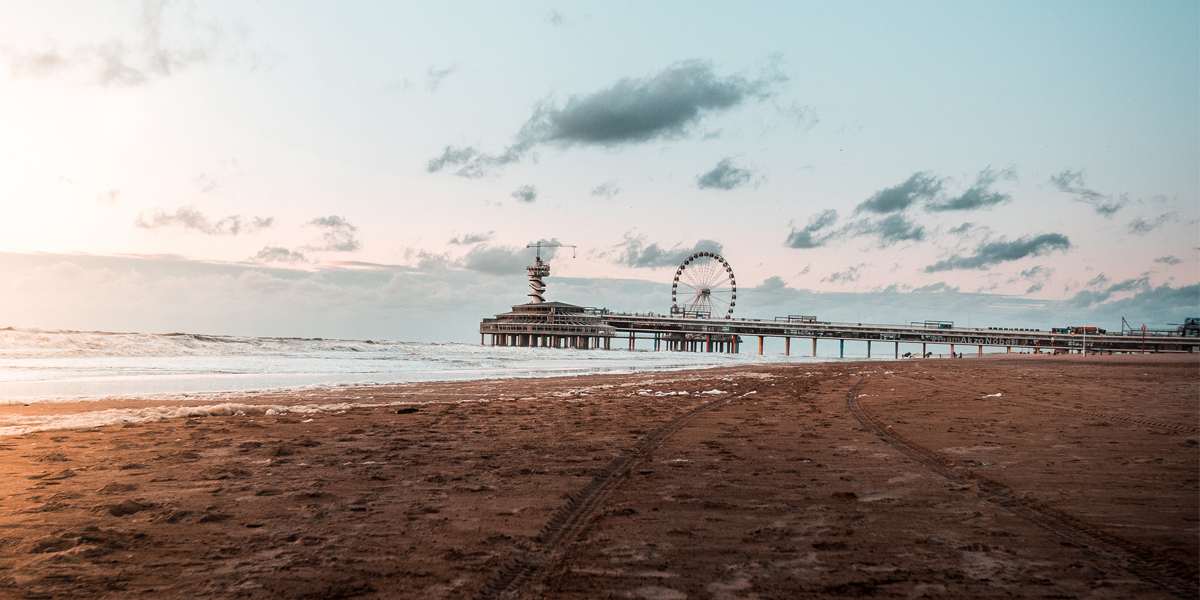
(1072,182)
(920,187)
(979,195)
(1038,275)
(809,236)
(165,41)
(991,253)
(850,274)
(962,229)
(891,230)
(1168,260)
(434,77)
(1088,298)
(339,235)
(724,176)
(471,238)
(556,18)
(635,253)
(669,104)
(608,189)
(525,193)
(1140,226)
(275,254)
(189,217)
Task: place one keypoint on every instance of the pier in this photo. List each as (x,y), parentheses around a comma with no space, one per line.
(691,327)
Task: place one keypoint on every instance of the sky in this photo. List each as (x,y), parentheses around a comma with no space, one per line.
(376,169)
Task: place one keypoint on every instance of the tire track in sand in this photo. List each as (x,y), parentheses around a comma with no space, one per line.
(528,568)
(1161,572)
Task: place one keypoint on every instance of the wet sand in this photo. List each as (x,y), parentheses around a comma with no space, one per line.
(909,479)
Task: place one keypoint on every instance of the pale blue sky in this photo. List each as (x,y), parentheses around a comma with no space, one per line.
(273,139)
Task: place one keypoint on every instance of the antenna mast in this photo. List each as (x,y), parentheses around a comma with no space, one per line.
(539,270)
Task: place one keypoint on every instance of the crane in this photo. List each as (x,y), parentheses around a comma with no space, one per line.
(541,269)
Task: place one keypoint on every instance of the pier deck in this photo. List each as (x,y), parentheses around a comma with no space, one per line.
(635,326)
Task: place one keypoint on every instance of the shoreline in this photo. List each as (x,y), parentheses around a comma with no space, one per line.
(825,478)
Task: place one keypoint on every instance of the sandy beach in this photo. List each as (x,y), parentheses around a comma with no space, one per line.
(996,477)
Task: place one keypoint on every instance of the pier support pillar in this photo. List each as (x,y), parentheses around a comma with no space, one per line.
(841,348)
(708,342)
(814,347)
(868,348)
(952,354)
(922,350)
(787,346)
(897,350)
(981,350)
(1008,349)
(760,344)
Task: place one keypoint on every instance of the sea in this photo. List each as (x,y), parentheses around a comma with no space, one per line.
(68,366)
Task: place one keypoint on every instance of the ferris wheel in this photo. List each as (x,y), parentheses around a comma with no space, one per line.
(704,287)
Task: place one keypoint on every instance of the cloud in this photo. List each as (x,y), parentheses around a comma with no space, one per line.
(1088,298)
(470,161)
(556,18)
(164,42)
(435,77)
(109,197)
(503,260)
(921,186)
(666,105)
(471,238)
(497,260)
(935,288)
(1038,275)
(962,229)
(1140,226)
(808,236)
(979,195)
(991,253)
(891,230)
(635,253)
(724,176)
(127,293)
(1072,182)
(339,237)
(805,117)
(1168,260)
(850,274)
(275,254)
(608,189)
(525,193)
(188,217)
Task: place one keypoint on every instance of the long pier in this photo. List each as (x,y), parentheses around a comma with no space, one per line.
(724,335)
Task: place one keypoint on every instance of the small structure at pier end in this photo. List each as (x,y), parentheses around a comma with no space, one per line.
(544,324)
